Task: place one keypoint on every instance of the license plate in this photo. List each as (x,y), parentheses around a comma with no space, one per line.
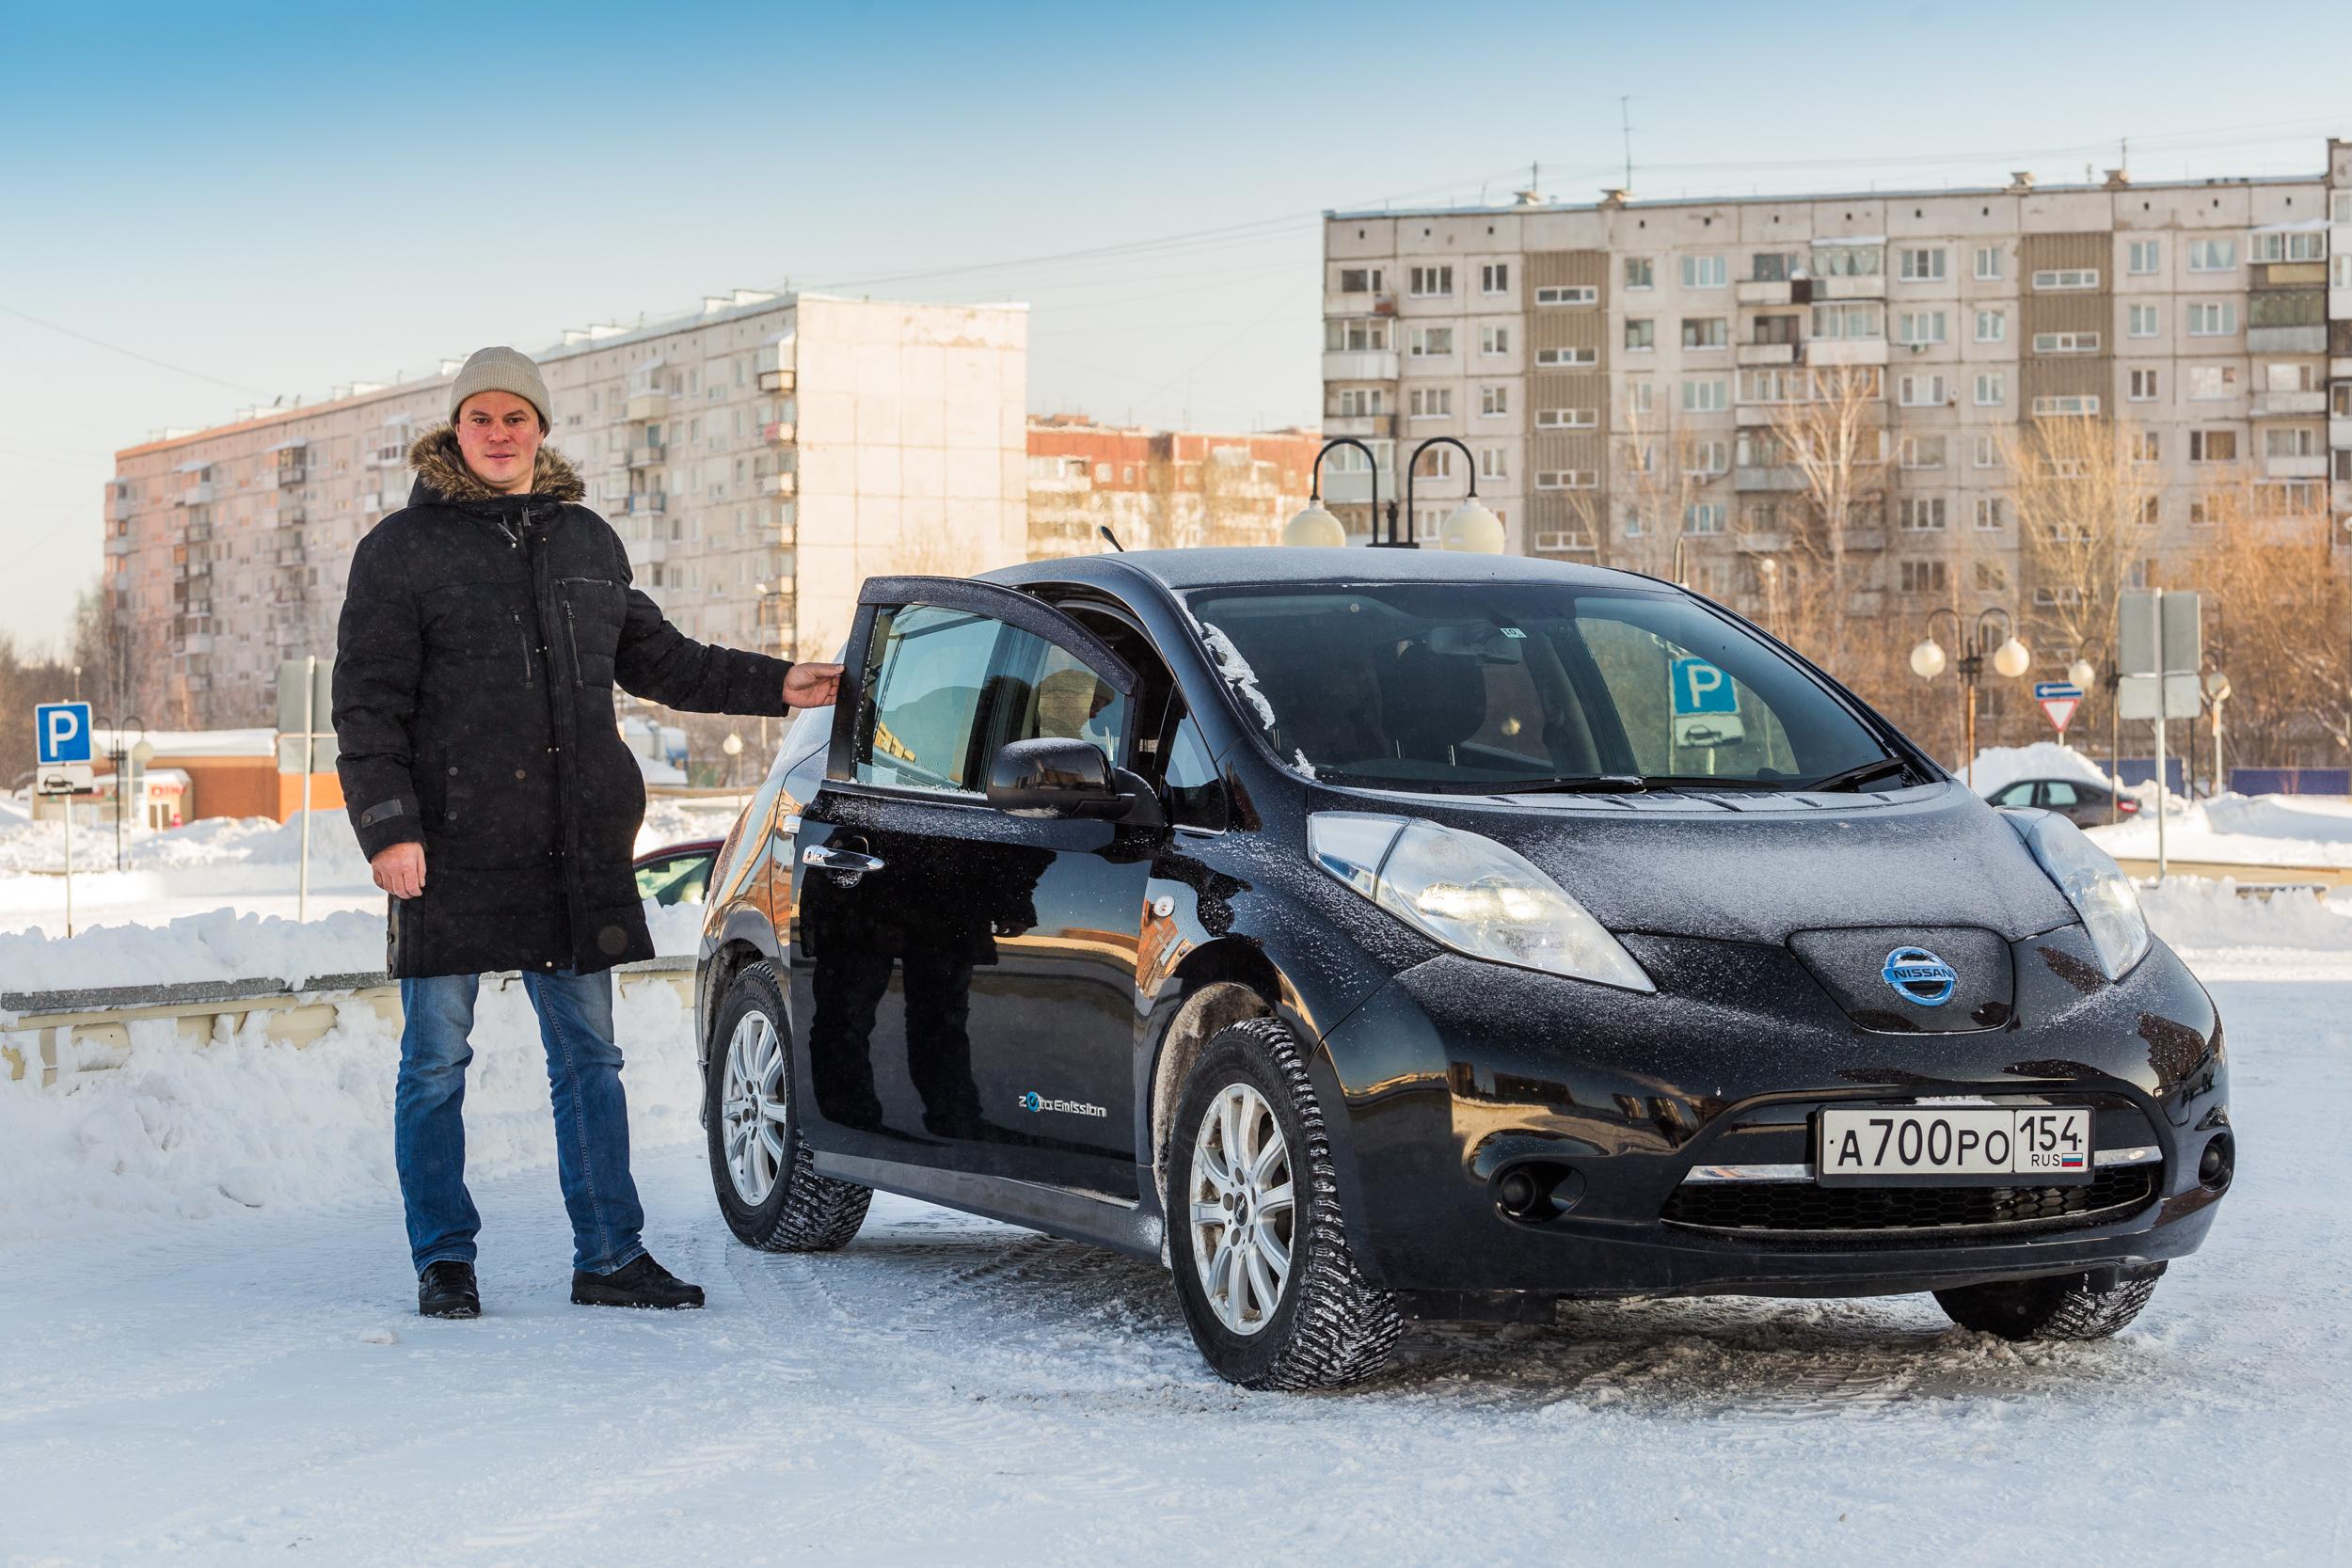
(1917,1146)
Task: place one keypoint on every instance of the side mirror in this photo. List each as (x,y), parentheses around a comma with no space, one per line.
(1051,776)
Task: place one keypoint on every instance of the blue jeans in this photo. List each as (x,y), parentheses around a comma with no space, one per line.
(591,1118)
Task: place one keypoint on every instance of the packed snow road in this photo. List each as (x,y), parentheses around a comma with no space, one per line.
(255,1388)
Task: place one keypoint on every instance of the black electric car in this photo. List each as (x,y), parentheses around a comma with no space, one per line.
(1370,933)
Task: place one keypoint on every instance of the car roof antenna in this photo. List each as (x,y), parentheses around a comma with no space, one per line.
(1105,529)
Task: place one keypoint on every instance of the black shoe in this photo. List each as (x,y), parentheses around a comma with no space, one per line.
(446,1289)
(643,1283)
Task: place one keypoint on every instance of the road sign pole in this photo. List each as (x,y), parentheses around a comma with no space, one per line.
(2162,665)
(66,801)
(310,725)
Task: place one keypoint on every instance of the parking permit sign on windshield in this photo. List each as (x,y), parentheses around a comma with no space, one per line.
(1706,704)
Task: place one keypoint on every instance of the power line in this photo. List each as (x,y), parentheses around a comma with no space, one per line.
(133,354)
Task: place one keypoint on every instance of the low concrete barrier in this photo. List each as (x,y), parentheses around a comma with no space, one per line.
(67,1031)
(2250,880)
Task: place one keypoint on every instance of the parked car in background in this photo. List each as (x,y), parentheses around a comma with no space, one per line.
(2081,802)
(678,873)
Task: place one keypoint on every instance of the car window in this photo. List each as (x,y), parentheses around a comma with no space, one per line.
(1471,687)
(2057,792)
(949,688)
(677,879)
(1195,795)
(2015,794)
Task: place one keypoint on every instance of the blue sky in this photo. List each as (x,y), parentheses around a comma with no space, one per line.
(281,198)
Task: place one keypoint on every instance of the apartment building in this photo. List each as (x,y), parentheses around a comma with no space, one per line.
(1161,489)
(1620,371)
(760,457)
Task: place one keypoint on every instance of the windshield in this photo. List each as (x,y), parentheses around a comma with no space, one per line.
(1487,687)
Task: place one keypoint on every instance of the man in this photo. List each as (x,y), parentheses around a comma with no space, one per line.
(485,627)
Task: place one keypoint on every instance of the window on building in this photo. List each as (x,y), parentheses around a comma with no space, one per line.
(2212,255)
(1922,513)
(1640,397)
(1847,260)
(1567,356)
(1355,334)
(1850,319)
(2139,321)
(1358,402)
(1988,264)
(1641,333)
(2211,318)
(1702,517)
(1919,326)
(1773,329)
(2066,342)
(2213,446)
(1704,272)
(2142,385)
(1991,578)
(1706,396)
(1921,452)
(1919,391)
(2305,245)
(1640,272)
(2287,375)
(1494,341)
(1708,457)
(2147,446)
(1493,402)
(1991,326)
(1432,343)
(1430,282)
(1494,278)
(1987,453)
(1772,266)
(2066,278)
(1430,403)
(1921,576)
(1566,479)
(1706,332)
(1920,266)
(1359,280)
(2291,441)
(2144,257)
(1568,419)
(2340,271)
(2066,402)
(2211,383)
(1989,518)
(1494,463)
(1992,388)
(1437,463)
(1569,293)
(2287,308)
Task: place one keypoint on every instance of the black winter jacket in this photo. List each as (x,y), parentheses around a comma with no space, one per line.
(481,639)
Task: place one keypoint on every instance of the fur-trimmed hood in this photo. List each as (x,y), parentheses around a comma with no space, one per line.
(440,466)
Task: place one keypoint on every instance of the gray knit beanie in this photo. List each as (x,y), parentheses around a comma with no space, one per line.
(501,369)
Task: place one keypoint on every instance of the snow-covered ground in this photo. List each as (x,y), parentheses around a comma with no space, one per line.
(208,1355)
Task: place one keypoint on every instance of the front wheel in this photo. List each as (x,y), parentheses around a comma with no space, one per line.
(2059,1306)
(1263,1275)
(763,1172)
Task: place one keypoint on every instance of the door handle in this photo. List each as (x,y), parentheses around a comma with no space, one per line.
(824,857)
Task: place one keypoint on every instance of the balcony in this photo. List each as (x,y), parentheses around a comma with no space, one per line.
(647,405)
(197,642)
(2276,405)
(783,484)
(1753,292)
(119,544)
(650,551)
(1780,476)
(1873,287)
(778,379)
(1764,353)
(1755,415)
(2287,340)
(2313,467)
(1359,305)
(288,473)
(779,432)
(195,495)
(119,506)
(1378,364)
(1358,424)
(647,455)
(1845,351)
(2340,432)
(1761,542)
(647,504)
(1353,486)
(1866,539)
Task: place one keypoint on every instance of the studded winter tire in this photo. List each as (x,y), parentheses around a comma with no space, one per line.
(1255,1233)
(2061,1307)
(763,1174)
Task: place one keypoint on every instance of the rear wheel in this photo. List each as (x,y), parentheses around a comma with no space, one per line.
(764,1175)
(2061,1307)
(1263,1271)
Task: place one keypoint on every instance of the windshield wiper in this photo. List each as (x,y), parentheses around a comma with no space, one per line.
(1573,783)
(1853,777)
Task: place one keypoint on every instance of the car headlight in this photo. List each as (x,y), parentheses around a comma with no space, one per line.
(1472,895)
(2095,885)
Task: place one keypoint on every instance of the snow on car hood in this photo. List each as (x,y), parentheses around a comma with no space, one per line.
(1753,867)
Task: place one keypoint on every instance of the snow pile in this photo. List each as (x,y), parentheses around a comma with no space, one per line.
(2198,914)
(185,1133)
(209,841)
(2238,830)
(679,819)
(1998,766)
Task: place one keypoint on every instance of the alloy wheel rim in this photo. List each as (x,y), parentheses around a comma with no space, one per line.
(1244,1216)
(755,1108)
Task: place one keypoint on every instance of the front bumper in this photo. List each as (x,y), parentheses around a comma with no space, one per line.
(1458,1071)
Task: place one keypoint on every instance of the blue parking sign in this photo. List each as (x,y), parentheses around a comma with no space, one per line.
(1702,687)
(60,733)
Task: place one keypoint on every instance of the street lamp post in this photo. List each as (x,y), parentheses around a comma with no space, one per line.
(733,747)
(2083,671)
(2010,660)
(1470,527)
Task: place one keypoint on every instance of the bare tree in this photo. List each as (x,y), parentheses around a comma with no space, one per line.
(1656,458)
(1832,430)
